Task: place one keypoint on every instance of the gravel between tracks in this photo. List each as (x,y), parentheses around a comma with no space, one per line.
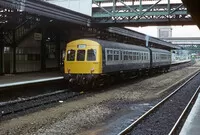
(83,113)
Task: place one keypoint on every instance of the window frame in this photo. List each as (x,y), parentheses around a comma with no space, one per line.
(95,51)
(79,53)
(68,55)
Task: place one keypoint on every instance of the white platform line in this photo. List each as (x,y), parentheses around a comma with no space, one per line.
(29,82)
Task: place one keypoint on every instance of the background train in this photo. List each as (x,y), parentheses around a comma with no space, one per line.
(91,61)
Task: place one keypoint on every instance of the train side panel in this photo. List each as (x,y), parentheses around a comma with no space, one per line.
(160,58)
(95,61)
(119,57)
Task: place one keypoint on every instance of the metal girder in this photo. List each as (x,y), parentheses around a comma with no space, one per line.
(126,13)
(183,41)
(45,9)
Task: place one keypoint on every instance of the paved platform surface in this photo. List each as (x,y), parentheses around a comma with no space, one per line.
(192,124)
(180,61)
(26,78)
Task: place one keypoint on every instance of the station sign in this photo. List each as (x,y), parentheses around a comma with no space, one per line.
(38,36)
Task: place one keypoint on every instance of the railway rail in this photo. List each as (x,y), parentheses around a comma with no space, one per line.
(12,107)
(165,117)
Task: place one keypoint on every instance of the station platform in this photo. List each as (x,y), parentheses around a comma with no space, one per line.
(28,78)
(191,125)
(180,61)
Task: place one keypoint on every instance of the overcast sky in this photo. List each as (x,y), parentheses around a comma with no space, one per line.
(177,31)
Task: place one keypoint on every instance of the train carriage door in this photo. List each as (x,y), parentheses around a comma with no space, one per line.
(121,59)
(8,60)
(151,57)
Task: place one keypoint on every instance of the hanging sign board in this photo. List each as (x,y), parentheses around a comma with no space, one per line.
(38,36)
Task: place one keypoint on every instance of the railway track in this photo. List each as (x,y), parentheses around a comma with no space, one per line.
(166,116)
(10,108)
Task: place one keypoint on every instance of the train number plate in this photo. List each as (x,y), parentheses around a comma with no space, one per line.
(81,46)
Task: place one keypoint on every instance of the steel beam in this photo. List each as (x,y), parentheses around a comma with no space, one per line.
(41,8)
(142,13)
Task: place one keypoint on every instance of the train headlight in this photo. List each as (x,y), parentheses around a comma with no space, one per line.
(68,71)
(92,70)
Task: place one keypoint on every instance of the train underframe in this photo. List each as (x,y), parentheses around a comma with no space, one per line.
(87,81)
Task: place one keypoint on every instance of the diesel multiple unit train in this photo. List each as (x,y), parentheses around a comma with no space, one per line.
(89,61)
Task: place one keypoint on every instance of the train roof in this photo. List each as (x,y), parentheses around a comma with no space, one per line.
(118,45)
(159,50)
(113,44)
(142,37)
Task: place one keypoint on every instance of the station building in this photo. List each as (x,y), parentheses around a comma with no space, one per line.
(34,34)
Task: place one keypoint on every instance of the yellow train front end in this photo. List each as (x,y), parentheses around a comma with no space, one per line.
(83,62)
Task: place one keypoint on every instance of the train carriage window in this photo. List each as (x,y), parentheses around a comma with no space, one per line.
(80,55)
(70,55)
(140,55)
(116,52)
(144,56)
(109,55)
(137,56)
(109,51)
(130,56)
(121,55)
(116,55)
(147,56)
(134,56)
(91,55)
(125,55)
(154,56)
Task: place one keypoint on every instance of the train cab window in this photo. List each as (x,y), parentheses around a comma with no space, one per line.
(80,55)
(91,55)
(70,55)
